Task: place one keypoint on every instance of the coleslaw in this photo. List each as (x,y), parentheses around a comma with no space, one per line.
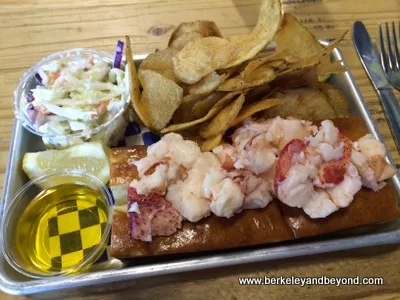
(76,94)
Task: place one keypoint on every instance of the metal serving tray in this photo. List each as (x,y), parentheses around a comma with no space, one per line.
(14,283)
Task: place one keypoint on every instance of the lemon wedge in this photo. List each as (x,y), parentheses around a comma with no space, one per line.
(86,157)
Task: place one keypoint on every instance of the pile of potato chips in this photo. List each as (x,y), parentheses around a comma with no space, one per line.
(203,83)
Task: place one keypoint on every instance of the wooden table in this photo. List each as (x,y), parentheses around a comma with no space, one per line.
(32,29)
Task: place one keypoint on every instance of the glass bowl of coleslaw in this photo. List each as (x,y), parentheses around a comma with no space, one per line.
(75,96)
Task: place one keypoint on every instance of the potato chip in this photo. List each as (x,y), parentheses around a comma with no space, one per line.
(294,38)
(183,39)
(202,27)
(310,78)
(212,112)
(192,132)
(221,122)
(233,71)
(251,109)
(211,143)
(160,98)
(264,74)
(205,28)
(191,31)
(160,62)
(278,64)
(201,57)
(184,112)
(302,103)
(295,73)
(254,64)
(263,53)
(260,76)
(232,84)
(207,84)
(259,72)
(337,99)
(135,86)
(296,78)
(260,92)
(202,107)
(217,75)
(312,60)
(268,23)
(335,67)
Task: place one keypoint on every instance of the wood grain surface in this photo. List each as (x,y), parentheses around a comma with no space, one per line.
(32,29)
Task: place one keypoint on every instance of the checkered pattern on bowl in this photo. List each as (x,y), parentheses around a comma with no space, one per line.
(73,234)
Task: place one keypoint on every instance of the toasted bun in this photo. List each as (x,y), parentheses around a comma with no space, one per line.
(277,222)
(251,227)
(123,171)
(367,208)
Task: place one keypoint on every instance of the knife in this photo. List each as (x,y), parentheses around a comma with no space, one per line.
(371,62)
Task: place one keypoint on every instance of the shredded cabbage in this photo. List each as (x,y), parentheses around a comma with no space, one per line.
(78,94)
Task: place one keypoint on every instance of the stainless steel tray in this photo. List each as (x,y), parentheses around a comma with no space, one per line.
(23,141)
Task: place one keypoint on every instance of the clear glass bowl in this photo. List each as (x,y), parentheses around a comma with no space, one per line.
(109,133)
(28,249)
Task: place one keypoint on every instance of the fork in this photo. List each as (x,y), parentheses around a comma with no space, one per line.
(390,57)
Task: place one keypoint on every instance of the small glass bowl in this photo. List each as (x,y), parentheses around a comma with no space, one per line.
(109,133)
(17,229)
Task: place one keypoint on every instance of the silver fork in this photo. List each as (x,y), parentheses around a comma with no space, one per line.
(390,57)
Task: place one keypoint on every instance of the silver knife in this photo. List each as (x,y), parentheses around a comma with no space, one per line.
(370,60)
